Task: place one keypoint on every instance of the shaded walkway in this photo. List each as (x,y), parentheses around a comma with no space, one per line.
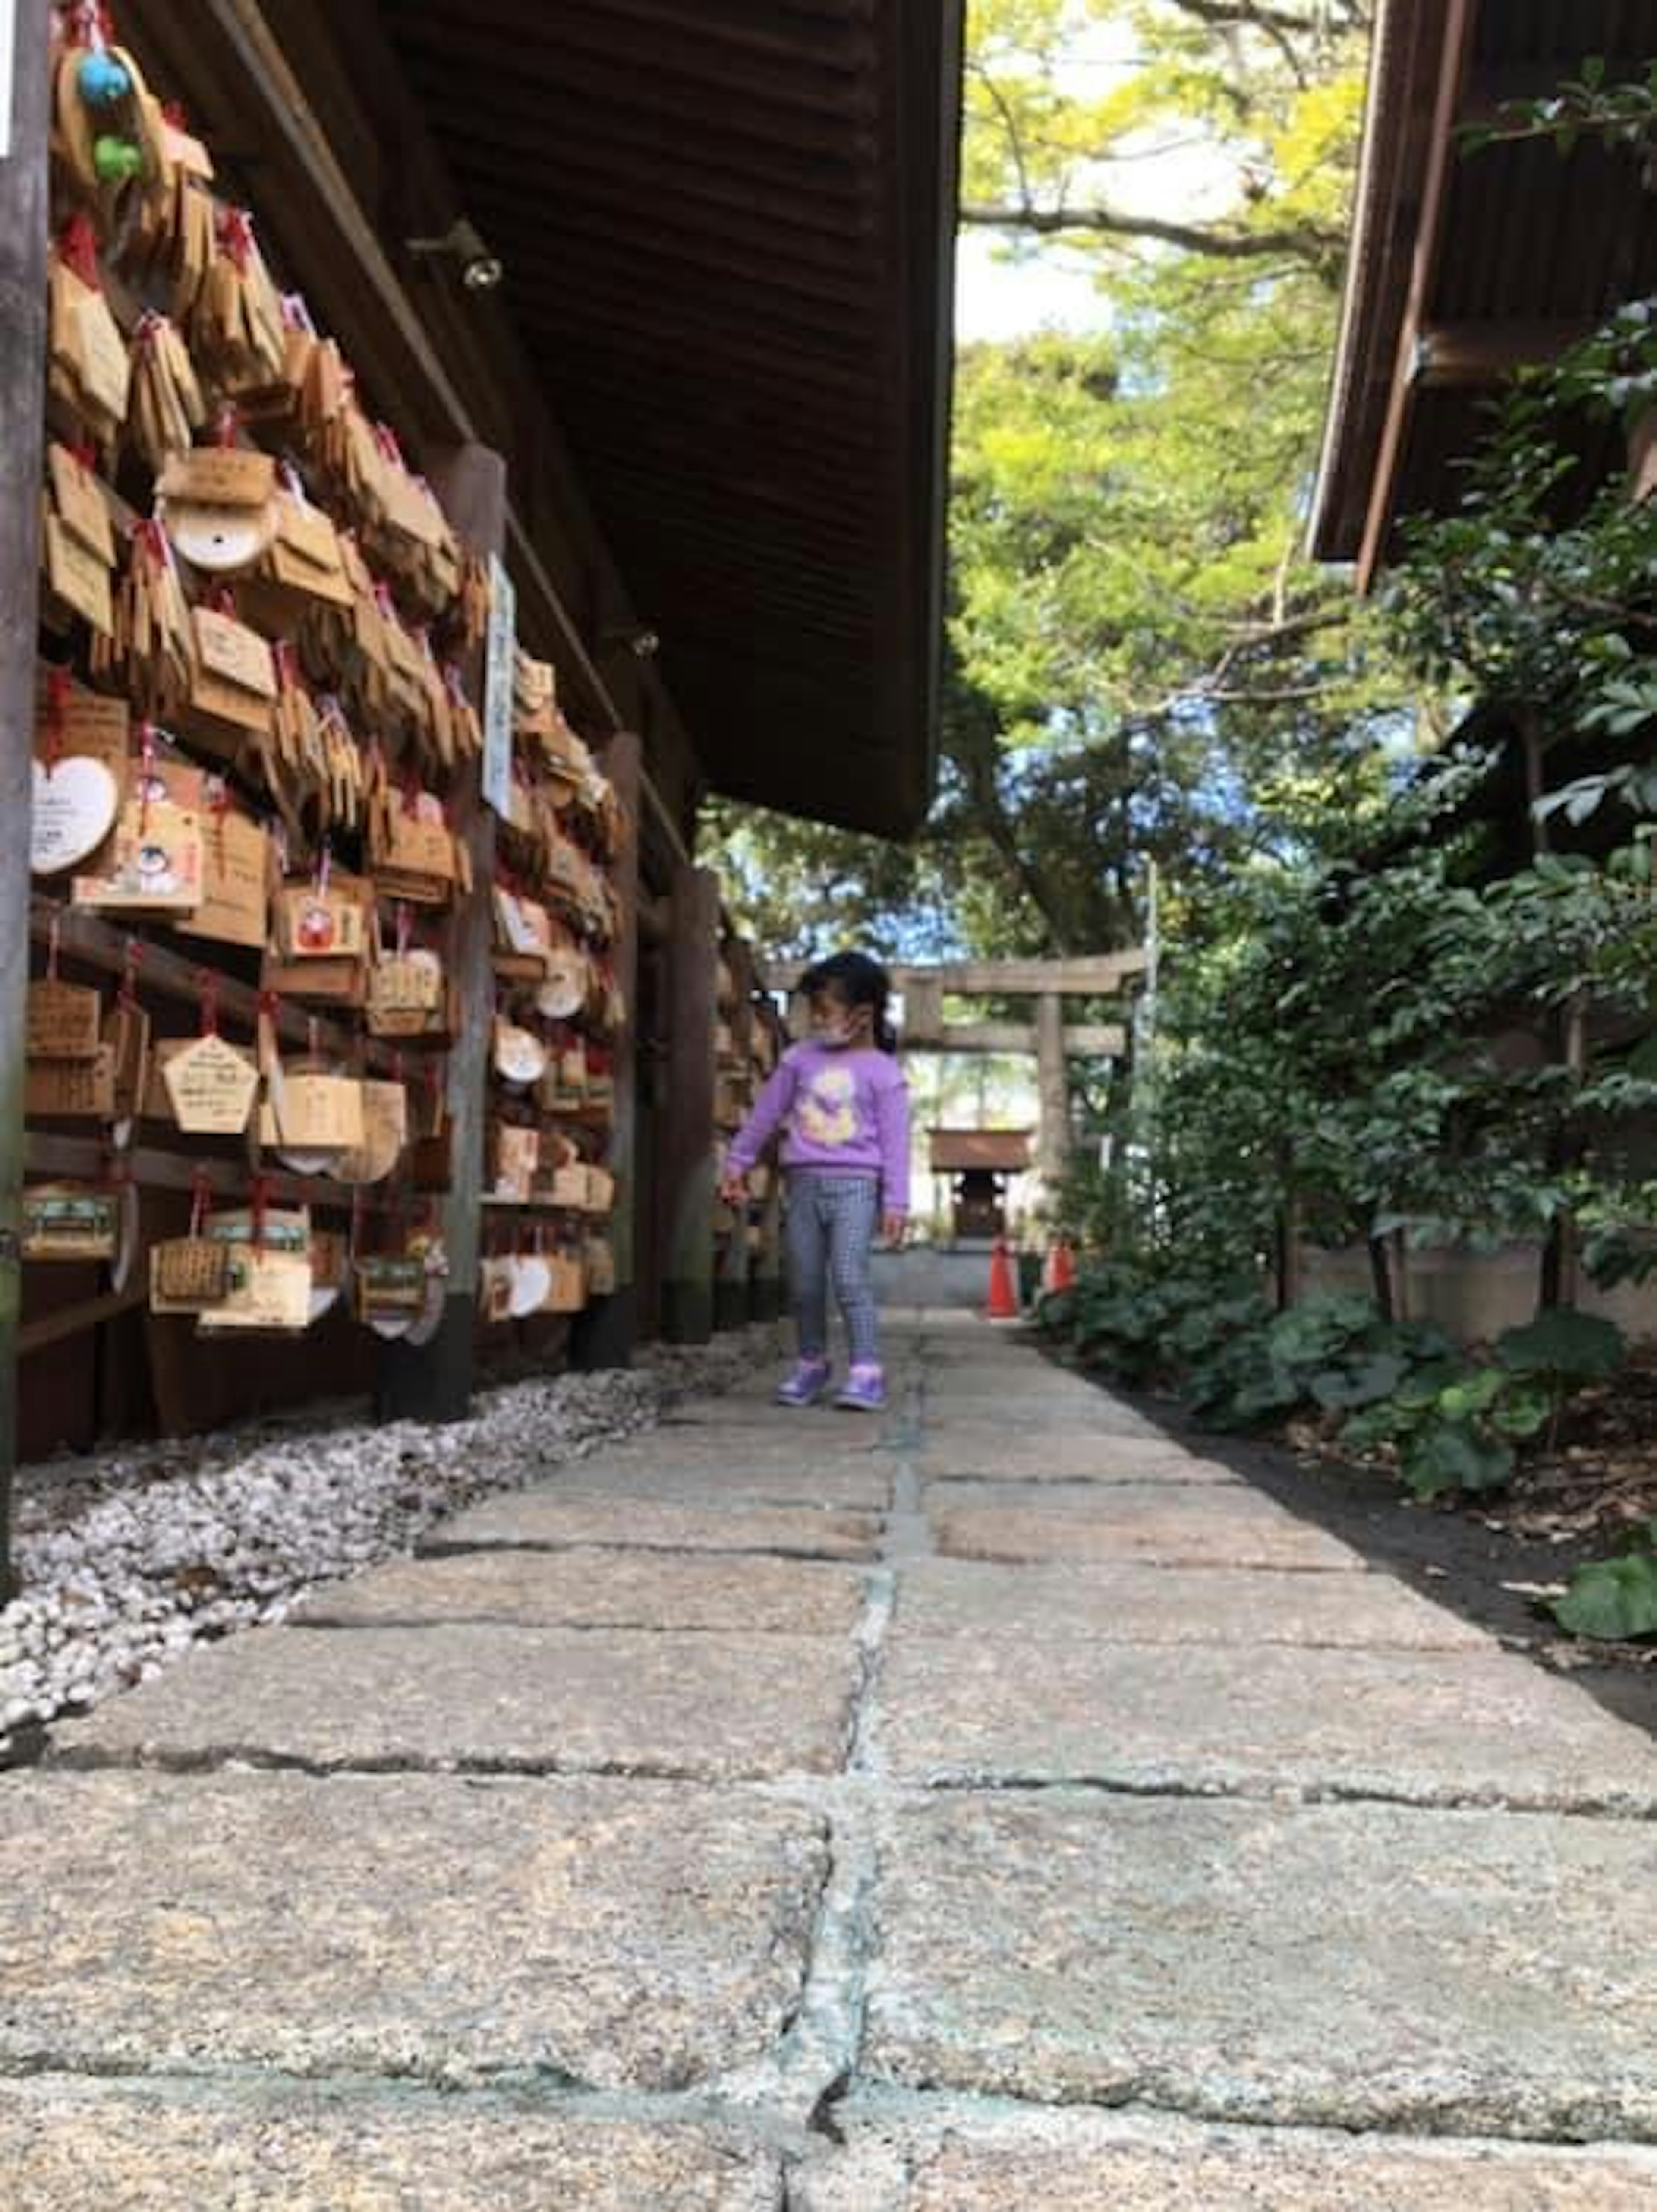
(774,1811)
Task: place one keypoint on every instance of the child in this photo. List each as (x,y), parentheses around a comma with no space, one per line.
(845,1165)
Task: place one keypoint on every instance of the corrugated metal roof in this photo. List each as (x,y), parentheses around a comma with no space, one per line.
(727,226)
(1529,243)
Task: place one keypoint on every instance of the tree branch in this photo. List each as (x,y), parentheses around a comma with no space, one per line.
(1257,15)
(1306,241)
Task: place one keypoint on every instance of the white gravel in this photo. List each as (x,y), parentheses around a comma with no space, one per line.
(127,1557)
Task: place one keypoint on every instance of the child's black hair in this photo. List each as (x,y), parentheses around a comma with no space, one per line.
(859,982)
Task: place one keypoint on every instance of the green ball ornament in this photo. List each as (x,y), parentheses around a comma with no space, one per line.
(116,161)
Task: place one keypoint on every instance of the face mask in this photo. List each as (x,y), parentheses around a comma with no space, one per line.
(836,1028)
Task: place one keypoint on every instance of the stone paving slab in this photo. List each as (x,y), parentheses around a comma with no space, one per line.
(1067,1455)
(1015,1410)
(1062,2162)
(627,1936)
(69,2146)
(598,1589)
(1227,1525)
(785,1424)
(712,1707)
(754,1477)
(1353,1966)
(1430,1727)
(1134,1603)
(555,1518)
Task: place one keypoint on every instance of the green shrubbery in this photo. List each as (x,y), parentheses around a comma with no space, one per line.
(1455,1422)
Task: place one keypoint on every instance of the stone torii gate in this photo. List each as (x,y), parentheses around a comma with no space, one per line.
(1049,1039)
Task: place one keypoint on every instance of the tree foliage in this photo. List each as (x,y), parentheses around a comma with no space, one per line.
(1143,667)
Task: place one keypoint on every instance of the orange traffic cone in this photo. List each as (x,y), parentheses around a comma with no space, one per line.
(1061,1266)
(1003,1299)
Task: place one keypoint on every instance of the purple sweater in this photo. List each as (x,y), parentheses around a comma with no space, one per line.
(846,1111)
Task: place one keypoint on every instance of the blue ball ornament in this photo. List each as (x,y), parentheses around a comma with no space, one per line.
(103,81)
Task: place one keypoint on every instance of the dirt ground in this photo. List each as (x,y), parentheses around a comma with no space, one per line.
(1492,1559)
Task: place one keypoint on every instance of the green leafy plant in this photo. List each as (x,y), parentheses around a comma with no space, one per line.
(1557,1354)
(1455,1423)
(1613,1598)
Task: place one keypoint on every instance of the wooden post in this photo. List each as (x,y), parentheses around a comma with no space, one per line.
(734,1270)
(605,1335)
(435,1382)
(23,32)
(1053,1091)
(687,1146)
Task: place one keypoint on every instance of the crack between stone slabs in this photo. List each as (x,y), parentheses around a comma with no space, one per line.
(454,1551)
(547,2090)
(1580,2121)
(1285,1793)
(1179,1565)
(570,1627)
(816,2057)
(929,2115)
(89,1759)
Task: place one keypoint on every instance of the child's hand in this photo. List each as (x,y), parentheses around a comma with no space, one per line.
(893,1226)
(733,1187)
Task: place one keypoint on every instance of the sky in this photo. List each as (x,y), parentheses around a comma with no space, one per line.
(998,297)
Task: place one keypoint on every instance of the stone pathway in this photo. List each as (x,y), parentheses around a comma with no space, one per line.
(1001,1808)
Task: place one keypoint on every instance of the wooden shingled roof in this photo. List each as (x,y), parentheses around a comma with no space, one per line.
(1467,264)
(727,228)
(1004,1152)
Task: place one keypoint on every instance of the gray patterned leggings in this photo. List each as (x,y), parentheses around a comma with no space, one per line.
(832,1220)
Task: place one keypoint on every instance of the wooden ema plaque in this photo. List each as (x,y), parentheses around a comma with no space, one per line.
(310,1113)
(600,1267)
(235,883)
(154,865)
(313,924)
(404,984)
(210,1085)
(78,578)
(188,1274)
(70,1222)
(385,1107)
(568,1290)
(74,804)
(81,504)
(391,1287)
(64,1021)
(517,1154)
(72,1089)
(269,1290)
(90,726)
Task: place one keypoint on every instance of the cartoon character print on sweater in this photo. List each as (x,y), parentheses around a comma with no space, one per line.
(827,1111)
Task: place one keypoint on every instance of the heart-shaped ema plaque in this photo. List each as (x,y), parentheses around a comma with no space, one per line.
(564,991)
(73,806)
(531,1280)
(519,1055)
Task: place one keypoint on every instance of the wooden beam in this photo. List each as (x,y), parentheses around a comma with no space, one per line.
(433,1382)
(1643,458)
(1083,1041)
(1454,355)
(686,1195)
(1052,1092)
(1086,975)
(74,1321)
(1441,157)
(23,195)
(605,1335)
